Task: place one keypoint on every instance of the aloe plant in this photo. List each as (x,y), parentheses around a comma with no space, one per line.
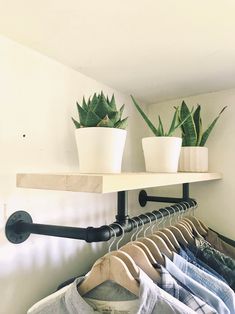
(192,132)
(100,111)
(159,130)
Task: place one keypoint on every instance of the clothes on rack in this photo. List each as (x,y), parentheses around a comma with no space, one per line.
(197,279)
(220,262)
(221,243)
(190,257)
(196,288)
(170,285)
(152,299)
(222,290)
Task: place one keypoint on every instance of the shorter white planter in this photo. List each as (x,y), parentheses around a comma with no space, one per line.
(161,153)
(193,159)
(100,149)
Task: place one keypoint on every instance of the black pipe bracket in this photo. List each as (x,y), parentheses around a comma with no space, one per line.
(13,230)
(144,198)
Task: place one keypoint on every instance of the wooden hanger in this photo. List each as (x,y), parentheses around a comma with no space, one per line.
(196,225)
(141,260)
(186,233)
(184,230)
(146,250)
(128,260)
(166,235)
(107,268)
(178,234)
(154,249)
(193,227)
(161,244)
(153,246)
(167,240)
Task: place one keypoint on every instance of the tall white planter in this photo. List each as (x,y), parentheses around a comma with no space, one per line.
(161,153)
(100,149)
(193,159)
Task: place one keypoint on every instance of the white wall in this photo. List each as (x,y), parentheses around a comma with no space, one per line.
(216,199)
(37,98)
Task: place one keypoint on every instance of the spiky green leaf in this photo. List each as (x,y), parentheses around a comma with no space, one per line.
(115,116)
(82,115)
(160,127)
(92,119)
(121,124)
(102,108)
(76,123)
(106,122)
(198,123)
(190,135)
(173,123)
(112,103)
(206,134)
(121,110)
(84,105)
(94,102)
(146,119)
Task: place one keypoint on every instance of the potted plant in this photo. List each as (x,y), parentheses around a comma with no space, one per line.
(100,135)
(194,155)
(162,151)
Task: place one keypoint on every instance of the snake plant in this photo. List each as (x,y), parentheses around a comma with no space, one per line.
(100,111)
(159,130)
(192,132)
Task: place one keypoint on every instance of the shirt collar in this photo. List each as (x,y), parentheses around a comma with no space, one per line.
(168,283)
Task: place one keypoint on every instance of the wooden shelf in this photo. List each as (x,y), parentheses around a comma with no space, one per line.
(106,183)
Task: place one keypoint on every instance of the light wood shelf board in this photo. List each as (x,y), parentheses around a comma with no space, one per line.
(106,183)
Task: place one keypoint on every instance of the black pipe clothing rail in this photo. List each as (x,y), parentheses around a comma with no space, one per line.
(20,225)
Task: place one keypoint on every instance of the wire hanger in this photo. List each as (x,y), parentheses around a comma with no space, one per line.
(141,260)
(189,222)
(181,214)
(170,235)
(178,234)
(133,268)
(197,224)
(152,245)
(161,234)
(143,246)
(186,232)
(109,267)
(160,244)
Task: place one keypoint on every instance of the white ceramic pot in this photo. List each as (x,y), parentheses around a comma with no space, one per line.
(161,153)
(100,149)
(193,159)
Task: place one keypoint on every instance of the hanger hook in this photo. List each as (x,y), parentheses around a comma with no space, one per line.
(122,235)
(115,237)
(137,228)
(187,208)
(181,211)
(142,223)
(169,214)
(148,222)
(184,211)
(156,222)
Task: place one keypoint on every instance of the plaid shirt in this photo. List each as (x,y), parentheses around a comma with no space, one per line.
(223,264)
(170,285)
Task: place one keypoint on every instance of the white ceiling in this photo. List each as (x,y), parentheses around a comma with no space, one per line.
(155,50)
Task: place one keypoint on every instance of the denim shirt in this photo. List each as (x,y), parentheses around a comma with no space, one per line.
(196,288)
(170,285)
(151,300)
(190,257)
(222,290)
(215,259)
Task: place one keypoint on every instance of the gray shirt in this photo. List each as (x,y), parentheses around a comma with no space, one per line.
(152,299)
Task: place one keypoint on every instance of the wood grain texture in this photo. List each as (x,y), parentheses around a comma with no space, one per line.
(106,183)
